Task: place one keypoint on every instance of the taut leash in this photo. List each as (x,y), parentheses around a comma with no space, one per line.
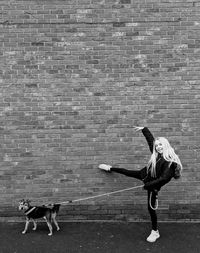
(100,195)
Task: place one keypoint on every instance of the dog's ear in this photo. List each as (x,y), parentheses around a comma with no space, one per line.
(28,201)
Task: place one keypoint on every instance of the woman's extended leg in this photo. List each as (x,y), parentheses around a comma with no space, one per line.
(130,173)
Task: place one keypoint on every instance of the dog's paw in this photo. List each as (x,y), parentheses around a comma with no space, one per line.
(58,229)
(50,234)
(34,229)
(23,232)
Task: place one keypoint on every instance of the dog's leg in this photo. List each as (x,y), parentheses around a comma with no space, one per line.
(34,224)
(26,226)
(49,226)
(55,222)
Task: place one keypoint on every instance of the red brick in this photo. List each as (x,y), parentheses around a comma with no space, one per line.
(74,80)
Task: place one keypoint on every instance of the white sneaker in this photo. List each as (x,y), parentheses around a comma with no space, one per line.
(105,167)
(153,236)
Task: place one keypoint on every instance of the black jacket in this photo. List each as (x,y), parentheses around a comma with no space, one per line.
(164,170)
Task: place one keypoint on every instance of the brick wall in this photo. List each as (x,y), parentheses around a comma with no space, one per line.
(75,76)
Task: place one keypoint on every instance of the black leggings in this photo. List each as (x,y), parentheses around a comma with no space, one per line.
(151,195)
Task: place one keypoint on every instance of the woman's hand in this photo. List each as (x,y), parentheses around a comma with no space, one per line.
(136,128)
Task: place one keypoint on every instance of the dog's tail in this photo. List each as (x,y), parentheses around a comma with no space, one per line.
(56,208)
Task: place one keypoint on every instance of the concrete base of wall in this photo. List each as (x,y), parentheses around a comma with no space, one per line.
(114,213)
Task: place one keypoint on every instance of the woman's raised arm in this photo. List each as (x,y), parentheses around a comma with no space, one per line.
(148,136)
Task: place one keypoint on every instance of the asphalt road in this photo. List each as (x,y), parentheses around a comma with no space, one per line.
(94,237)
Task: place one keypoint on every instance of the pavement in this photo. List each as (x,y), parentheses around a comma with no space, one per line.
(100,237)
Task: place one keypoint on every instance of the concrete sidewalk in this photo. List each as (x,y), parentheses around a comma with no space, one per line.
(92,237)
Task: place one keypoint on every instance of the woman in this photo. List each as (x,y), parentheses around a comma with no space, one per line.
(163,165)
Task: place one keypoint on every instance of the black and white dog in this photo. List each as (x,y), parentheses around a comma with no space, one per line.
(36,212)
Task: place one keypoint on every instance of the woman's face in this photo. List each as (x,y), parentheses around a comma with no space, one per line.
(158,147)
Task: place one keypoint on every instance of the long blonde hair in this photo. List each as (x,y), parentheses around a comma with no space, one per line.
(168,154)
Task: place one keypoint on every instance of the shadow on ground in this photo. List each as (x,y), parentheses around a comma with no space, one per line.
(92,237)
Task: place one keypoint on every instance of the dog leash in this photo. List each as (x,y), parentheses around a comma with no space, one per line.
(100,195)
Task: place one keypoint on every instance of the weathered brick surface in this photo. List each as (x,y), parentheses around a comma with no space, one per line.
(75,76)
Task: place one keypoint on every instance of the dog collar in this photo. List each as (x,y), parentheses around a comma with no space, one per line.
(31,210)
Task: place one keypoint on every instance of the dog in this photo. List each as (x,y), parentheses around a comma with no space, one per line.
(35,212)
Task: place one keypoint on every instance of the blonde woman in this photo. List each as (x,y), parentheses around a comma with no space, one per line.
(164,164)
